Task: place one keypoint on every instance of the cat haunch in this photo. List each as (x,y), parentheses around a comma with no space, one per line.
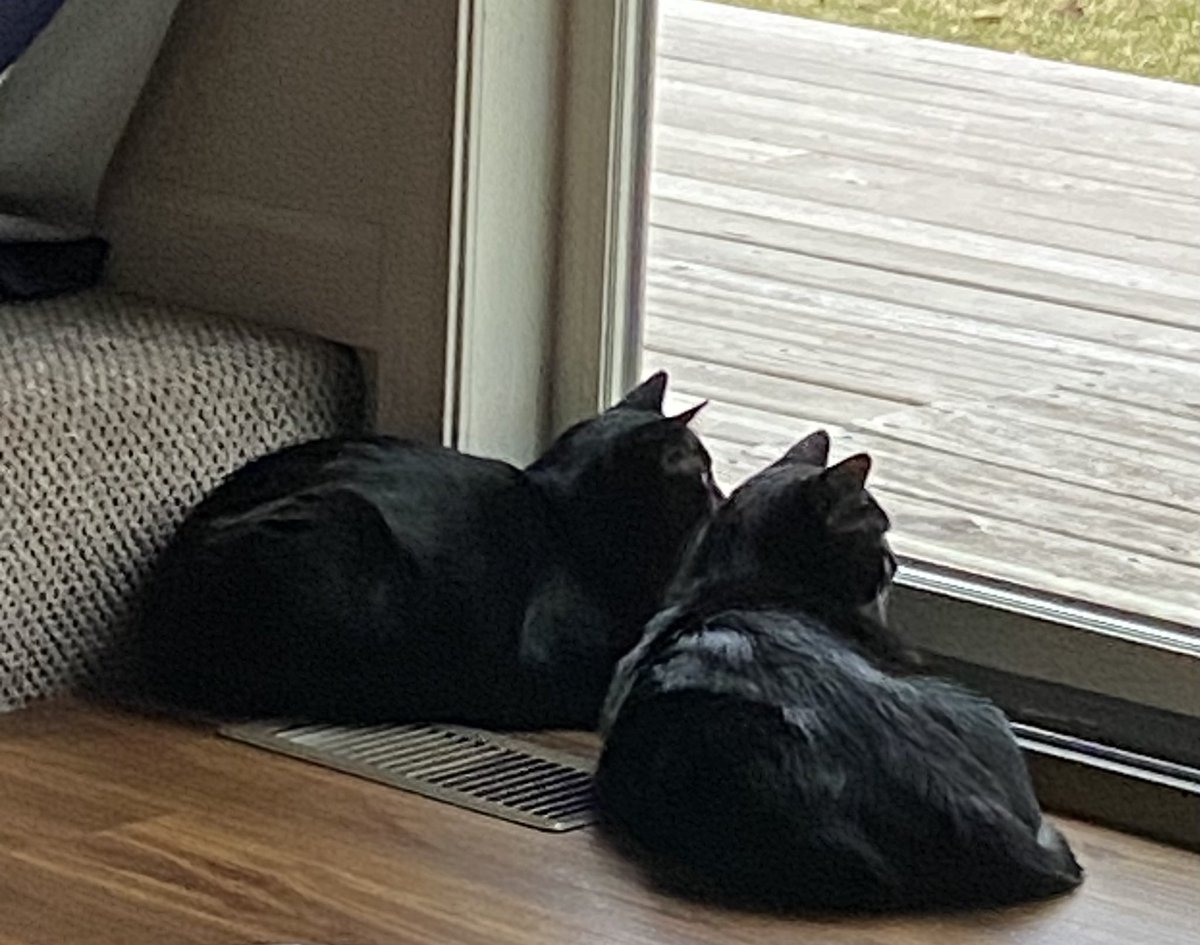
(368,578)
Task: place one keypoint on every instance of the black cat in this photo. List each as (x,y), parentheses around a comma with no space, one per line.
(373,579)
(769,741)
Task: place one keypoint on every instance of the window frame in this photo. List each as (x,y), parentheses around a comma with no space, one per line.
(545,240)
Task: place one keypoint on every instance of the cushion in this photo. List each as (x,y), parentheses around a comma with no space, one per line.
(116,416)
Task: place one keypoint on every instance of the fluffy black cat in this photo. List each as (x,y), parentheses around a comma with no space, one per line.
(769,742)
(373,579)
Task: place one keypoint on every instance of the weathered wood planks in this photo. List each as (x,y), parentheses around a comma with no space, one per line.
(983,268)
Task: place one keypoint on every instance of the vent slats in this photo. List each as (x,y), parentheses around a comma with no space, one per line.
(480,774)
(446,765)
(471,768)
(538,780)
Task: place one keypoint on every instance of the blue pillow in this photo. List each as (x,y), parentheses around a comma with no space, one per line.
(20,22)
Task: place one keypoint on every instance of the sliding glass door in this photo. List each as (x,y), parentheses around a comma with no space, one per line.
(982,268)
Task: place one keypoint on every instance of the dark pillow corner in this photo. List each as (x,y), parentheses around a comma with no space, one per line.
(38,269)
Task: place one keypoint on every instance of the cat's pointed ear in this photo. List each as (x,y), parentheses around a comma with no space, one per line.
(683,419)
(852,509)
(850,475)
(648,395)
(813,450)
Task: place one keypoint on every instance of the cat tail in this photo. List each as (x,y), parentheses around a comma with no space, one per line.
(1042,869)
(984,856)
(1065,873)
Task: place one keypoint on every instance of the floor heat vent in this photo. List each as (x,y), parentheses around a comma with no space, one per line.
(500,775)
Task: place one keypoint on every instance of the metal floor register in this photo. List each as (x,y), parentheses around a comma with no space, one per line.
(494,774)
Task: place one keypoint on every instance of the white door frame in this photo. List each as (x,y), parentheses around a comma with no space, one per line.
(551,145)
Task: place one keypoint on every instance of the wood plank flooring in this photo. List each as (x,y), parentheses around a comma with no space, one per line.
(116,829)
(983,268)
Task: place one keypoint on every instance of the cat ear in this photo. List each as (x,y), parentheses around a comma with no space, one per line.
(813,450)
(683,419)
(648,395)
(852,509)
(850,475)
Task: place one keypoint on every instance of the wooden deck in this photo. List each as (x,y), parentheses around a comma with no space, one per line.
(982,268)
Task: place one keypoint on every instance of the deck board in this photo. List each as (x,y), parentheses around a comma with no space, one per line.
(975,115)
(1156,234)
(985,269)
(954,137)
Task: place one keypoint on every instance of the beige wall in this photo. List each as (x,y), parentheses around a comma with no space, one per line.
(291,161)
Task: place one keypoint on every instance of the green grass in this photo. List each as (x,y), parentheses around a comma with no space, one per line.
(1151,37)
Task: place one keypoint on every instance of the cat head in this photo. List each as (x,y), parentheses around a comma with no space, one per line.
(632,484)
(800,529)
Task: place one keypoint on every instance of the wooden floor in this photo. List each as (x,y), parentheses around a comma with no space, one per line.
(121,831)
(983,268)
